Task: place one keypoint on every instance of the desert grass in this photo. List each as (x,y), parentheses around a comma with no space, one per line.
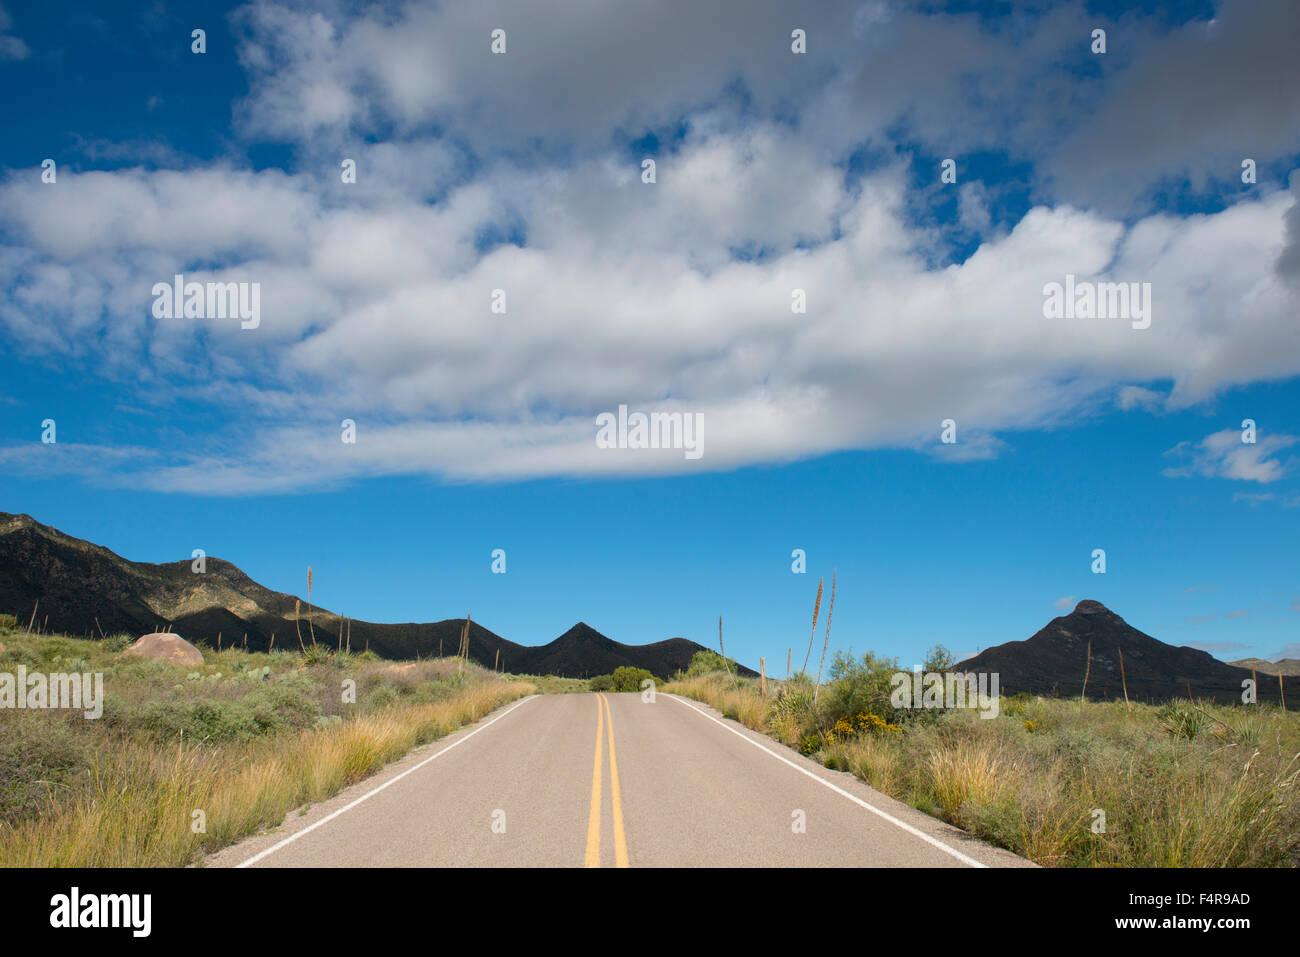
(139,805)
(1102,784)
(244,740)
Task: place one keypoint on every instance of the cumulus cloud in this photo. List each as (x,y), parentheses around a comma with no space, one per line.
(1138,397)
(1193,105)
(1224,455)
(516,173)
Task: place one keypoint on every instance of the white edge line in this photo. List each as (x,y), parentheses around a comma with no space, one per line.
(369,794)
(838,790)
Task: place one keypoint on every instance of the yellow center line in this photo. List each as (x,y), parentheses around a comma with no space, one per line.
(593,819)
(620,839)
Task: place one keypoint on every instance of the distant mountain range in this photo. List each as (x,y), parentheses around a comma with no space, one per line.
(1054,660)
(1284,666)
(85,589)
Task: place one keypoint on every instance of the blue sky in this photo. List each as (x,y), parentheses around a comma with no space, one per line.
(522,171)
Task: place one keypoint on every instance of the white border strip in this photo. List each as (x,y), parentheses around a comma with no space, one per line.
(838,790)
(369,794)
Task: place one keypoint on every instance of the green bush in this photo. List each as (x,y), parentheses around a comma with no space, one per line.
(939,659)
(860,685)
(705,662)
(118,642)
(627,678)
(8,622)
(1180,720)
(602,683)
(203,719)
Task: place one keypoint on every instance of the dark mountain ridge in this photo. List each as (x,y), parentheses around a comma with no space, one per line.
(86,589)
(1053,662)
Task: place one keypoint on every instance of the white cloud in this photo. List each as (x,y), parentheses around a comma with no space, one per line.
(1137,397)
(379,310)
(376,295)
(1224,455)
(11,47)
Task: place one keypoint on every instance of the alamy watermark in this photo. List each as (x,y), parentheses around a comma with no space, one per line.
(129,911)
(933,689)
(653,430)
(1098,300)
(179,299)
(60,690)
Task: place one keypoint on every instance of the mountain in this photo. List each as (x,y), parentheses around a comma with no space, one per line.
(1284,666)
(86,589)
(1053,661)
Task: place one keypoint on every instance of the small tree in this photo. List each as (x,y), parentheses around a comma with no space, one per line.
(939,659)
(627,678)
(705,662)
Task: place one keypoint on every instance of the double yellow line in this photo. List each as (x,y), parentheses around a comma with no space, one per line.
(593,819)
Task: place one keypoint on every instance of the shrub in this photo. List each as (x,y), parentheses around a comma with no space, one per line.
(118,642)
(601,683)
(939,659)
(705,662)
(1179,720)
(860,685)
(627,678)
(316,655)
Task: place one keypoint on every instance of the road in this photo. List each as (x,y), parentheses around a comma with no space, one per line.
(610,780)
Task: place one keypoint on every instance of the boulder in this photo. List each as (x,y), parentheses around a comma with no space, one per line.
(163,646)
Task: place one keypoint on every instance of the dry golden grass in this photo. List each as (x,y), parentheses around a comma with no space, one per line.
(966,771)
(141,804)
(732,696)
(1188,785)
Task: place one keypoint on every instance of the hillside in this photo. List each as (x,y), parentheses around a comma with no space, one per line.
(86,589)
(1284,666)
(1053,662)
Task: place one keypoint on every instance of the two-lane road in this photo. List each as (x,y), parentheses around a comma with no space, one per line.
(610,781)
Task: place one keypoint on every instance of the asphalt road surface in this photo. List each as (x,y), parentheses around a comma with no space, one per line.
(610,780)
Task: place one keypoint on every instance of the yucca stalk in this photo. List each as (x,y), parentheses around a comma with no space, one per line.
(1088,670)
(817,607)
(725,663)
(1123,680)
(463,651)
(297,608)
(830,610)
(309,627)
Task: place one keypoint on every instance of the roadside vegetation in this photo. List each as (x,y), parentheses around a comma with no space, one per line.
(624,678)
(183,762)
(1061,782)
